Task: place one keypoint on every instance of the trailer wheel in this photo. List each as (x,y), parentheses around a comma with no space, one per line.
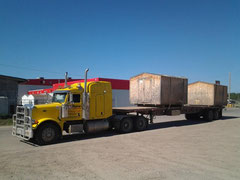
(208,116)
(220,114)
(140,123)
(194,116)
(126,125)
(216,115)
(47,134)
(188,116)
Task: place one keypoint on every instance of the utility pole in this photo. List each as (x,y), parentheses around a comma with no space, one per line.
(229,87)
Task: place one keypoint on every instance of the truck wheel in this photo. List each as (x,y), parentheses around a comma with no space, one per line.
(47,134)
(208,116)
(140,123)
(126,125)
(216,115)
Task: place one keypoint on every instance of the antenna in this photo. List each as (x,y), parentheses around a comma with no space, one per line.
(229,87)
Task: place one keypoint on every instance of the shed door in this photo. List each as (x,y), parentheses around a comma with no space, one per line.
(145,90)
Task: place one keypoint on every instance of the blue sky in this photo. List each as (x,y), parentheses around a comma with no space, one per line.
(197,39)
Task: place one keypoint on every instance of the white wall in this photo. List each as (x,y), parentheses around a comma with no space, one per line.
(120,98)
(23,89)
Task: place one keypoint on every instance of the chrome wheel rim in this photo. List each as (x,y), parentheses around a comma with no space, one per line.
(48,134)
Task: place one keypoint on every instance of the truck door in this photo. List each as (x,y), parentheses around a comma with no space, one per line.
(75,109)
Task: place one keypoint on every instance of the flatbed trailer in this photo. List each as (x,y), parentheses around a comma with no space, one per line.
(166,110)
(87,108)
(140,116)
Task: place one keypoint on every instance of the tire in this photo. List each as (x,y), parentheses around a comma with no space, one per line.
(216,115)
(208,116)
(194,116)
(140,123)
(220,114)
(188,116)
(47,134)
(126,125)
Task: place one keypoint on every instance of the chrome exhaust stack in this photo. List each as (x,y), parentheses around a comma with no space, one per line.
(85,98)
(85,82)
(66,77)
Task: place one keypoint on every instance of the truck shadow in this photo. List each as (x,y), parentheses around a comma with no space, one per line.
(158,125)
(179,123)
(228,117)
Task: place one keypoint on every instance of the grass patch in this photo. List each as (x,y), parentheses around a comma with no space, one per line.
(6,122)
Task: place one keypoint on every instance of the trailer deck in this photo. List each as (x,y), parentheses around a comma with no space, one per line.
(165,110)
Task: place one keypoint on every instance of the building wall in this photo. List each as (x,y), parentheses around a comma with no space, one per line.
(3,106)
(120,90)
(120,98)
(9,88)
(23,89)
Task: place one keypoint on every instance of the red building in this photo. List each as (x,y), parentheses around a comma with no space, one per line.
(39,83)
(120,88)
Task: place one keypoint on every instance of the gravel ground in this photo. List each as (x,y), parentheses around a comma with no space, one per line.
(172,148)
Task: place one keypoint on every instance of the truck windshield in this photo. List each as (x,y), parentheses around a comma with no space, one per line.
(59,97)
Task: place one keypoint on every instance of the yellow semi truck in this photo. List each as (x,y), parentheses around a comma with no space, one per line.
(87,108)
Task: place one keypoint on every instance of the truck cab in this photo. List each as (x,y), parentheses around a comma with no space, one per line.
(71,106)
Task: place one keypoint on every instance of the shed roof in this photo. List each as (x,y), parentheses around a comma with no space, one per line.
(12,78)
(205,83)
(158,75)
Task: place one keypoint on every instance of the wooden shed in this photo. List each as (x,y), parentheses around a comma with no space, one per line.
(203,93)
(155,89)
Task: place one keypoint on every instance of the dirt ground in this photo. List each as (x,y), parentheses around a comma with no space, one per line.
(172,148)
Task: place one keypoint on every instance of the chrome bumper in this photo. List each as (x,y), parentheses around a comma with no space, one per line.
(22,123)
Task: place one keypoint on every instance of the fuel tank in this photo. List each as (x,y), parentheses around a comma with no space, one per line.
(96,126)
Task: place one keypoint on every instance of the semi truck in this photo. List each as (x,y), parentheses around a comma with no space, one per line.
(87,108)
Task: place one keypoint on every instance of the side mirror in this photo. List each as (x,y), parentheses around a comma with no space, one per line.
(71,98)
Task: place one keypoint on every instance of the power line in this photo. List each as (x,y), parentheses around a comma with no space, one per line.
(33,69)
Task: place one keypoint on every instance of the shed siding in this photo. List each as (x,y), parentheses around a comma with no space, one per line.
(201,93)
(153,89)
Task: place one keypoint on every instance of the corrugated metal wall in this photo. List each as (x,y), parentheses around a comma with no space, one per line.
(9,88)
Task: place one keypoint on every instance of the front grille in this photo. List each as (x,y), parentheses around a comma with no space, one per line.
(22,122)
